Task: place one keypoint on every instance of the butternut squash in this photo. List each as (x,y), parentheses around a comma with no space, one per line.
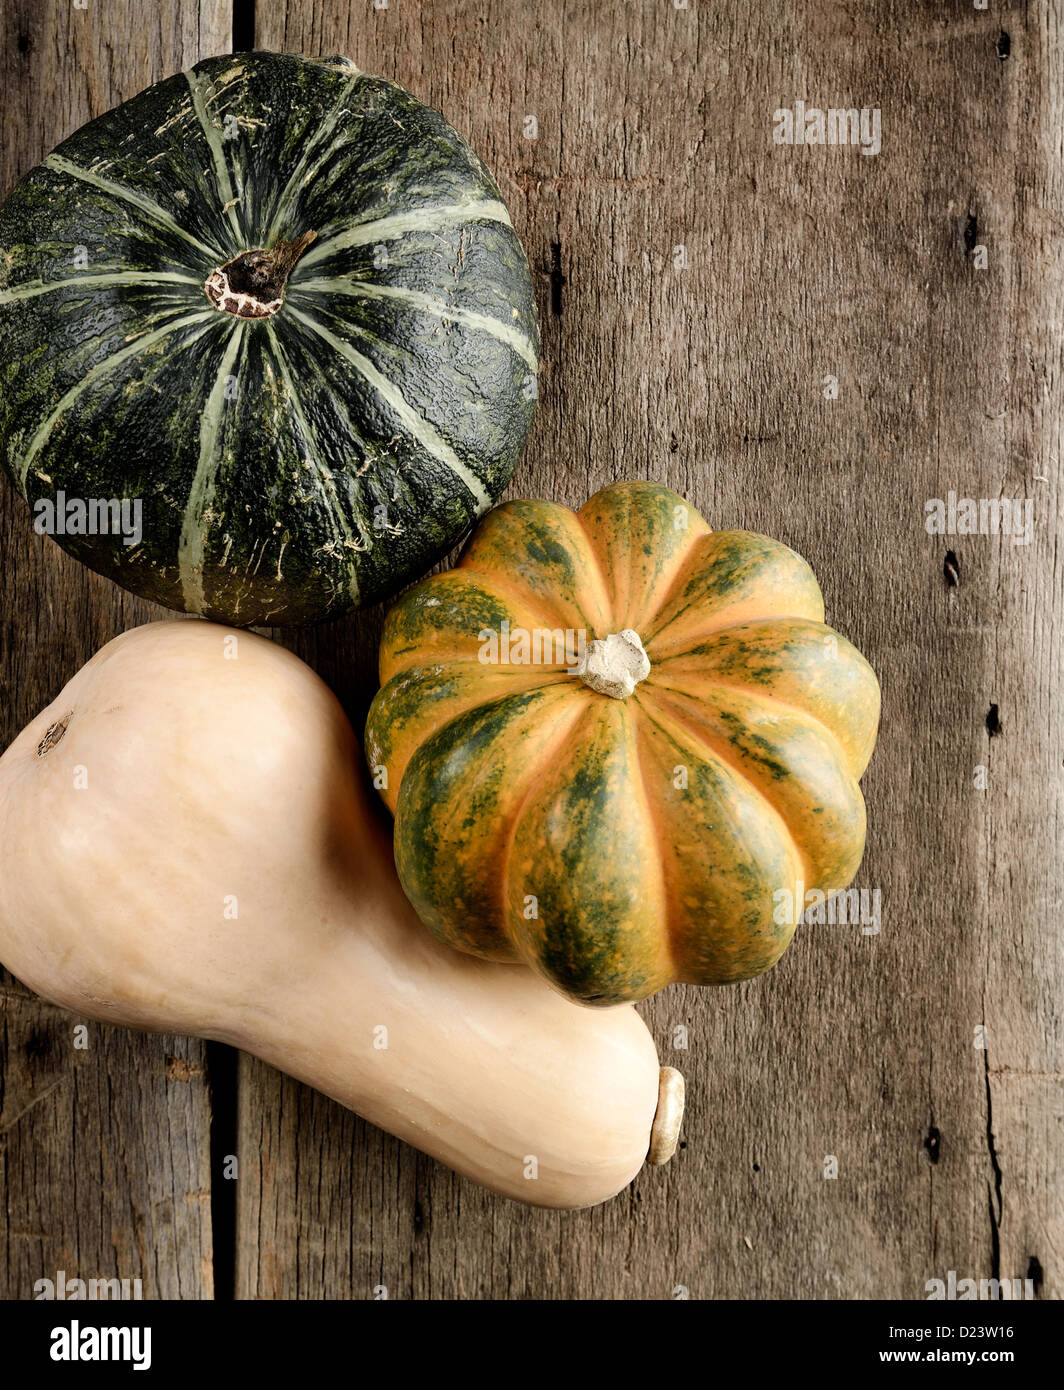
(186,846)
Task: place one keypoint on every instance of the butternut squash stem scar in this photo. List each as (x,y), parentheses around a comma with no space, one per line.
(53,735)
(665,1131)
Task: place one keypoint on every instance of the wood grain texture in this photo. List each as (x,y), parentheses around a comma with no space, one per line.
(104,1153)
(103,1171)
(655,133)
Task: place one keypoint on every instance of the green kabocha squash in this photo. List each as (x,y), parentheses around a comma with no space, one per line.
(276,310)
(621,747)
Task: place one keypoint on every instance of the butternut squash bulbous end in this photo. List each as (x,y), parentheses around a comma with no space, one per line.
(186,845)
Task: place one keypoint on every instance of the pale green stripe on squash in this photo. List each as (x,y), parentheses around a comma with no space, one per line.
(106,281)
(424,303)
(214,143)
(341,530)
(305,170)
(190,552)
(205,316)
(398,224)
(148,206)
(419,428)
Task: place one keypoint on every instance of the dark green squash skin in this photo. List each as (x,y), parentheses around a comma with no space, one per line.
(280,481)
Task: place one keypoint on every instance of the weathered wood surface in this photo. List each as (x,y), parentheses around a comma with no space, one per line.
(655,132)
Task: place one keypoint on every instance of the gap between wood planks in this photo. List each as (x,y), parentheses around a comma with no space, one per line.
(243,26)
(223,1062)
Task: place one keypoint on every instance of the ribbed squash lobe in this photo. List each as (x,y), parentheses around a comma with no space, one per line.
(618,845)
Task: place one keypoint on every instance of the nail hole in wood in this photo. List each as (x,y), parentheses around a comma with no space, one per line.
(933,1144)
(971,234)
(557,278)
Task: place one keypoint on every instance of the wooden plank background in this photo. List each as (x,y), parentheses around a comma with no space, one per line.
(654,133)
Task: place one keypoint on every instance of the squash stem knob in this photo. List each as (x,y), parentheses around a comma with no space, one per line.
(665,1131)
(252,285)
(614,665)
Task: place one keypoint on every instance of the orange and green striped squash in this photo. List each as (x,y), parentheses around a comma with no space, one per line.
(621,834)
